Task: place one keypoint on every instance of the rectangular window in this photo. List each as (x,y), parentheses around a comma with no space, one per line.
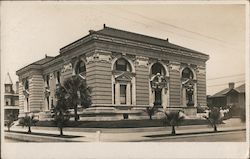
(47,80)
(131,95)
(7,89)
(58,77)
(28,107)
(123,89)
(8,101)
(48,103)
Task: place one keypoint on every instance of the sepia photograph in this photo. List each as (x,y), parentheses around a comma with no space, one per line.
(151,78)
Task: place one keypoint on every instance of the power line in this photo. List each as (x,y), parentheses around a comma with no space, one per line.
(226,76)
(223,84)
(180,28)
(177,27)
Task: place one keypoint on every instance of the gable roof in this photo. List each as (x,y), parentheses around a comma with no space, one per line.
(36,64)
(221,93)
(8,79)
(241,88)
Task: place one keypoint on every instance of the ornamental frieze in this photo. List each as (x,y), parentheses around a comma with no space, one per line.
(66,68)
(142,61)
(99,57)
(175,66)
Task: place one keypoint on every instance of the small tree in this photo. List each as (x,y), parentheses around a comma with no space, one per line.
(78,93)
(173,118)
(214,117)
(61,116)
(10,121)
(28,120)
(150,111)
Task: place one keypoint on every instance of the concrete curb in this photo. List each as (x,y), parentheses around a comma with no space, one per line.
(35,138)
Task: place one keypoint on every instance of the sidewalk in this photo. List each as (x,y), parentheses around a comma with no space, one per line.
(123,134)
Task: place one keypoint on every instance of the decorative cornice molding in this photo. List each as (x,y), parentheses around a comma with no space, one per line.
(175,66)
(142,61)
(67,67)
(153,47)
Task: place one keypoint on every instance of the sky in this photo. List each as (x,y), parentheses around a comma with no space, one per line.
(29,30)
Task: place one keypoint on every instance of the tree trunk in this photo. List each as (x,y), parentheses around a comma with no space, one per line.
(61,131)
(29,131)
(173,130)
(215,128)
(150,117)
(8,129)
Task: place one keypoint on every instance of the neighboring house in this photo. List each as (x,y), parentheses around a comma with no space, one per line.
(229,97)
(11,100)
(125,71)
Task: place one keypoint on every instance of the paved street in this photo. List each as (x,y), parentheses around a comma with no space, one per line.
(11,140)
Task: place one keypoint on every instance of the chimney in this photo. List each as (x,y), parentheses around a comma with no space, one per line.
(231,85)
(91,31)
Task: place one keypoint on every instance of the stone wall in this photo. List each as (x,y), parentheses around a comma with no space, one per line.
(36,89)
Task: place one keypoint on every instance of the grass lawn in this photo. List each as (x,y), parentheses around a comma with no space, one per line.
(121,123)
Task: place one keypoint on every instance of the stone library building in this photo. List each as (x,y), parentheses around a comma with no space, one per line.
(126,71)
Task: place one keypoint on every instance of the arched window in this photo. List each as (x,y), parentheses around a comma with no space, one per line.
(188,87)
(123,83)
(158,85)
(158,68)
(187,73)
(80,68)
(122,65)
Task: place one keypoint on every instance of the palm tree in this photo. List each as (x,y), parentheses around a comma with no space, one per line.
(61,109)
(173,118)
(214,117)
(28,120)
(78,93)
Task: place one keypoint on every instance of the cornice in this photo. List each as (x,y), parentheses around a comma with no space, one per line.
(28,68)
(171,50)
(165,49)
